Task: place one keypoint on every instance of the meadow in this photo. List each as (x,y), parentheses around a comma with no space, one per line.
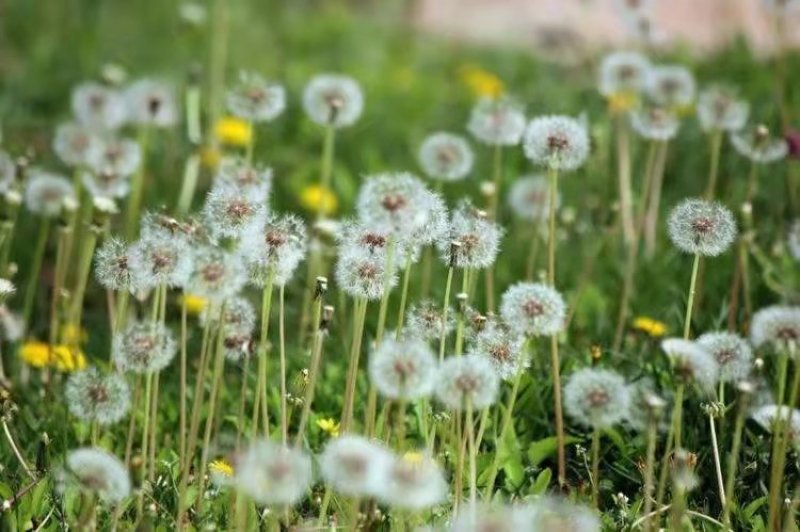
(297,266)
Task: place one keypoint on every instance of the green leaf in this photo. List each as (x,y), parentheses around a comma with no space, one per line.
(541,483)
(542,449)
(514,470)
(749,510)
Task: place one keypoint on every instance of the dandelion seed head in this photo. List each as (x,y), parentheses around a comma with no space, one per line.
(757,145)
(529,198)
(645,404)
(701,227)
(623,72)
(533,309)
(98,107)
(426,320)
(403,369)
(73,143)
(655,123)
(252,181)
(732,353)
(354,465)
(276,244)
(272,474)
(112,269)
(116,156)
(671,86)
(143,348)
(692,363)
(497,122)
(160,258)
(218,274)
(720,109)
(333,99)
(476,239)
(467,378)
(363,275)
(46,193)
(256,99)
(152,102)
(777,325)
(767,416)
(229,212)
(93,470)
(446,157)
(98,397)
(237,347)
(413,481)
(597,398)
(399,202)
(106,186)
(503,347)
(556,142)
(239,316)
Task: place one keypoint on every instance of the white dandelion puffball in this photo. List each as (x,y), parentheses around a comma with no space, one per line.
(217,275)
(94,396)
(557,142)
(701,227)
(94,470)
(403,369)
(116,156)
(396,201)
(446,157)
(503,347)
(239,316)
(692,363)
(151,102)
(354,465)
(533,309)
(160,258)
(426,320)
(471,241)
(732,353)
(229,212)
(777,325)
(492,517)
(553,514)
(672,86)
(143,348)
(46,193)
(529,198)
(468,378)
(273,247)
(111,266)
(73,143)
(413,481)
(769,415)
(255,99)
(655,123)
(720,109)
(597,398)
(252,181)
(98,107)
(272,474)
(757,145)
(333,100)
(362,274)
(497,122)
(105,186)
(623,73)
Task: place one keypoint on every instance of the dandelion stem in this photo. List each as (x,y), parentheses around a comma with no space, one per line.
(190,174)
(153,429)
(533,252)
(780,437)
(687,322)
(148,387)
(717,463)
(282,340)
(733,458)
(473,475)
(137,186)
(596,468)
(624,178)
(445,310)
(84,268)
(182,421)
(715,141)
(359,316)
(58,282)
(654,201)
(261,387)
(16,452)
(35,269)
(401,310)
(652,438)
(507,417)
(313,372)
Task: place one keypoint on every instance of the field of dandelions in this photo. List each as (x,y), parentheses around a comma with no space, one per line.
(285,267)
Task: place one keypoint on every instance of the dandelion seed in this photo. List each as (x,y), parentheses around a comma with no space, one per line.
(732,353)
(597,398)
(94,396)
(504,348)
(467,378)
(623,73)
(777,325)
(426,320)
(96,471)
(275,244)
(720,109)
(158,258)
(446,157)
(333,99)
(655,123)
(533,309)
(671,86)
(701,227)
(228,212)
(556,142)
(404,369)
(151,102)
(361,274)
(73,143)
(556,514)
(112,269)
(256,99)
(692,363)
(477,239)
(218,275)
(143,348)
(355,466)
(529,198)
(98,107)
(46,193)
(271,474)
(115,156)
(757,145)
(497,122)
(413,481)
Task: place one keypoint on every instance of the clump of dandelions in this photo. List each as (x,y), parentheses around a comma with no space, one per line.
(413,481)
(671,86)
(94,396)
(529,198)
(777,325)
(446,157)
(623,73)
(720,109)
(272,474)
(112,269)
(597,398)
(274,246)
(46,193)
(732,353)
(143,348)
(533,309)
(497,122)
(556,142)
(333,100)
(403,369)
(471,241)
(691,363)
(701,227)
(426,320)
(354,465)
(757,145)
(96,472)
(503,347)
(255,99)
(468,378)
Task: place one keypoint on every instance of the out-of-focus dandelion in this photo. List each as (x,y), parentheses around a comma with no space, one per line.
(477,239)
(427,321)
(354,465)
(497,122)
(529,198)
(315,198)
(446,157)
(118,157)
(413,481)
(403,369)
(233,131)
(655,123)
(272,474)
(732,353)
(255,99)
(552,513)
(692,363)
(671,86)
(98,107)
(776,325)
(757,145)
(46,193)
(622,78)
(143,348)
(73,143)
(94,396)
(720,109)
(652,327)
(467,379)
(97,472)
(151,102)
(333,100)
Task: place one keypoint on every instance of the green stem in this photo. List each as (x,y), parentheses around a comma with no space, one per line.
(687,322)
(359,316)
(596,468)
(733,459)
(261,388)
(652,438)
(326,168)
(35,269)
(445,310)
(507,417)
(713,169)
(137,187)
(282,341)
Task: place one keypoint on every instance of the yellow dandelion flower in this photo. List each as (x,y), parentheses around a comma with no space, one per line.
(210,157)
(73,335)
(194,304)
(35,353)
(622,102)
(221,467)
(232,131)
(68,359)
(650,326)
(329,426)
(313,195)
(413,457)
(685,110)
(480,82)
